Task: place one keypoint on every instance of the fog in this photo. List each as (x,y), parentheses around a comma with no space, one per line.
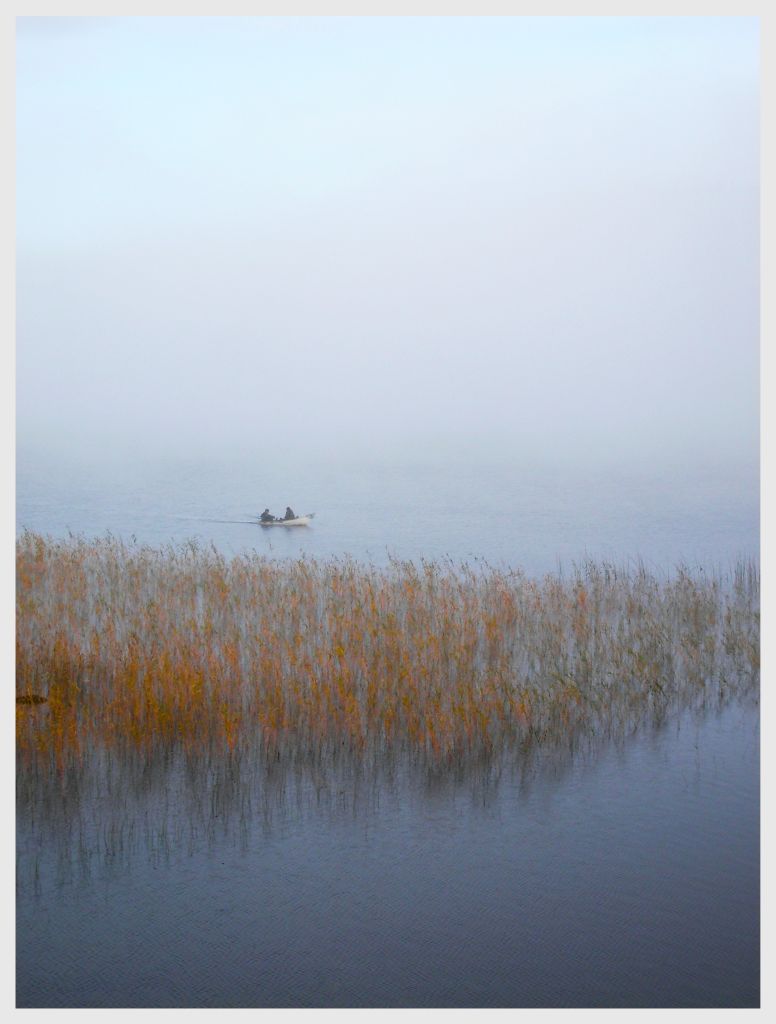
(530,236)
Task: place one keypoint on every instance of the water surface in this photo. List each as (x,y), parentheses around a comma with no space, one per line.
(503,510)
(627,876)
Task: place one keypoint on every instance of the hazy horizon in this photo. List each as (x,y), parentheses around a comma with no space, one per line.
(534,238)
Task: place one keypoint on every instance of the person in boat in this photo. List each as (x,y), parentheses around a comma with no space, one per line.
(290,514)
(267,517)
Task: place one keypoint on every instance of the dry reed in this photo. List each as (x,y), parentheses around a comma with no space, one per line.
(133,647)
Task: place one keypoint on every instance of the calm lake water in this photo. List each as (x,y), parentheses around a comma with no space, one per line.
(624,874)
(622,877)
(498,510)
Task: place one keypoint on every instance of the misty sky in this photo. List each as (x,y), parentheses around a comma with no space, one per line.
(539,235)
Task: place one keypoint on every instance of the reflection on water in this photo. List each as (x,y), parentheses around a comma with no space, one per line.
(114,808)
(616,872)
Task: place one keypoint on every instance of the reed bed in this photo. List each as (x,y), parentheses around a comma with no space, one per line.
(141,648)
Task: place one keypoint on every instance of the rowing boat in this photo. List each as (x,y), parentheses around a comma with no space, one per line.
(299,521)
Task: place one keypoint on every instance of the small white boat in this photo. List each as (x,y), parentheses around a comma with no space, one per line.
(299,521)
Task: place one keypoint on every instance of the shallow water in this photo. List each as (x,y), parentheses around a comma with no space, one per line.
(627,876)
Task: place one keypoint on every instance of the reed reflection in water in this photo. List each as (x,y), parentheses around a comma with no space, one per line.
(622,873)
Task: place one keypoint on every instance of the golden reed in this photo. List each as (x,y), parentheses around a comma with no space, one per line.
(134,645)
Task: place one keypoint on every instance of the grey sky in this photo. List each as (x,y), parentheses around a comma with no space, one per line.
(534,235)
